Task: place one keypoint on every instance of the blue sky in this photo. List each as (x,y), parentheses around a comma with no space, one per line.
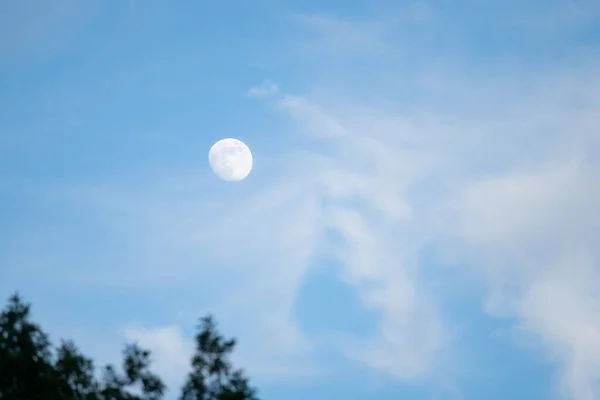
(421,221)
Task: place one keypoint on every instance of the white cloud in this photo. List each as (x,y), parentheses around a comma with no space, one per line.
(171,352)
(364,190)
(527,220)
(311,118)
(265,89)
(535,237)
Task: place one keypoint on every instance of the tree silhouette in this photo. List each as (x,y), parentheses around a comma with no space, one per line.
(31,369)
(212,377)
(25,356)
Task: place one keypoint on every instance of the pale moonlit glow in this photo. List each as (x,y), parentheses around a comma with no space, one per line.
(230,159)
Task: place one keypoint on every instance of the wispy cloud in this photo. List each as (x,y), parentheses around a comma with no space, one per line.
(171,351)
(525,219)
(534,236)
(265,89)
(311,118)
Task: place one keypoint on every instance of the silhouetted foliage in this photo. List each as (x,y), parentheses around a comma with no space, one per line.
(31,369)
(212,377)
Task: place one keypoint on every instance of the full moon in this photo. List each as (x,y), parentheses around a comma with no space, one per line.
(230,159)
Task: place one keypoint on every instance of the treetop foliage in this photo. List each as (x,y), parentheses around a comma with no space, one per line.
(32,369)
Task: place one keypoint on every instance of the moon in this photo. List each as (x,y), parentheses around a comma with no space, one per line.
(230,159)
